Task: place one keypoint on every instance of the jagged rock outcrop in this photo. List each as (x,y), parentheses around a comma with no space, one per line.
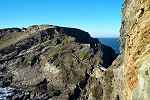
(135,65)
(51,62)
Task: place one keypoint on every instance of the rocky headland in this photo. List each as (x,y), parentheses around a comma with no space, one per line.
(44,62)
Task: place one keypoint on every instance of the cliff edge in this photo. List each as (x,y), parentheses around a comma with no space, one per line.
(50,62)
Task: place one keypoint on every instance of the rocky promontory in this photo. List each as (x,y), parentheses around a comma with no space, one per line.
(44,62)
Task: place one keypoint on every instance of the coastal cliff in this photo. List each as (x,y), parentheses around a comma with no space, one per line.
(46,62)
(50,62)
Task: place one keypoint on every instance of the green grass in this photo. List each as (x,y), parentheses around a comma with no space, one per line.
(11,39)
(83,55)
(68,40)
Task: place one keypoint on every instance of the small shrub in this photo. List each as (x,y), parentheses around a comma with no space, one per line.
(83,55)
(68,40)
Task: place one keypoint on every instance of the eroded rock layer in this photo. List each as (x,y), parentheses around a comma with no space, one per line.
(135,34)
(50,62)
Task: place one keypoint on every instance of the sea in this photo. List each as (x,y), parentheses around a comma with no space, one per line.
(113,42)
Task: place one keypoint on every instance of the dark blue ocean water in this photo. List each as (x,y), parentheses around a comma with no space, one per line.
(112,42)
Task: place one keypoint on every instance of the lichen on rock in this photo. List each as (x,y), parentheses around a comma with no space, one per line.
(135,46)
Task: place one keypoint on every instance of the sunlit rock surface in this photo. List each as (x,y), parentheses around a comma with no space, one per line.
(135,65)
(58,63)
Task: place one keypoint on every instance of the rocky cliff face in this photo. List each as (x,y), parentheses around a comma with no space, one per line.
(57,63)
(135,66)
(49,62)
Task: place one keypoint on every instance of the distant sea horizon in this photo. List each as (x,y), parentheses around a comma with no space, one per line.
(112,42)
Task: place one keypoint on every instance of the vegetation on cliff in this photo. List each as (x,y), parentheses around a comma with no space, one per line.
(52,62)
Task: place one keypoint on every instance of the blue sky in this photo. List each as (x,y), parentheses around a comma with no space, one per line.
(101,18)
